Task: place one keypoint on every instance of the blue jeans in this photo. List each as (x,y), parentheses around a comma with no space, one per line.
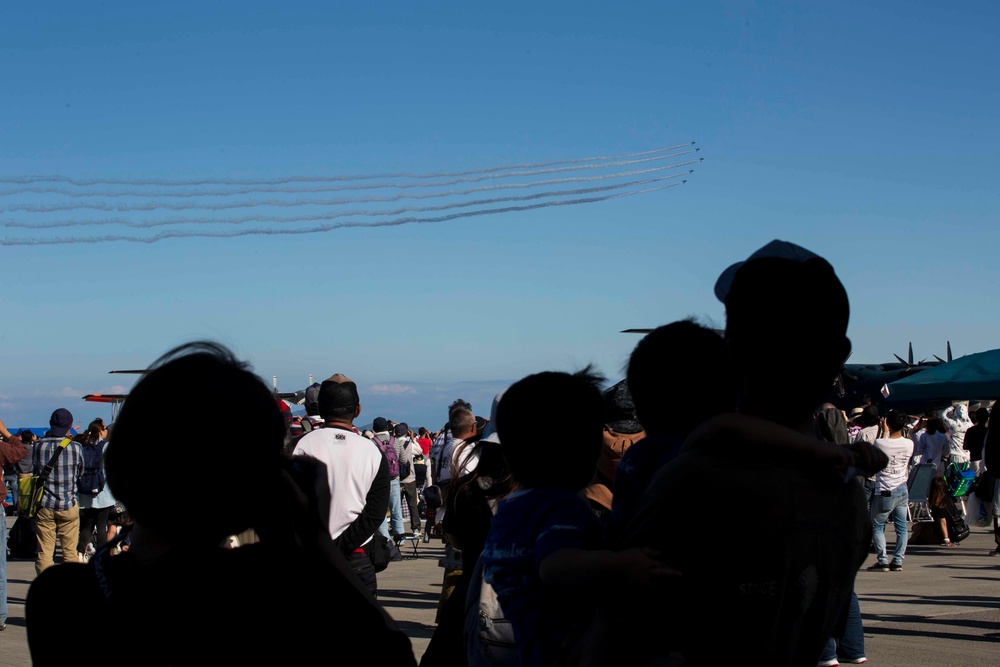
(395,508)
(850,645)
(883,507)
(11,482)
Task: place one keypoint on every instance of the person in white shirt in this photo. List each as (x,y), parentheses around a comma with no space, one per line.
(929,446)
(891,493)
(357,472)
(956,420)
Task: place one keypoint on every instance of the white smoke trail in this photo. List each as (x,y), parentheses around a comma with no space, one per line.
(31,208)
(156,182)
(339,214)
(324,228)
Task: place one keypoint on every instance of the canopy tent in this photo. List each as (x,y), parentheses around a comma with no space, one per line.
(974,376)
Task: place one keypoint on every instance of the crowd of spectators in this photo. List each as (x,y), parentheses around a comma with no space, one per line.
(580,532)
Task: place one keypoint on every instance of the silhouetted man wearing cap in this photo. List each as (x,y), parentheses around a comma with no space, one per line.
(357,472)
(776,583)
(59,513)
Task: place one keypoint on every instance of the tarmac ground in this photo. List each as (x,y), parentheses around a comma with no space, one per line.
(942,609)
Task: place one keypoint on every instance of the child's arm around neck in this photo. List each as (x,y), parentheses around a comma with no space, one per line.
(603,570)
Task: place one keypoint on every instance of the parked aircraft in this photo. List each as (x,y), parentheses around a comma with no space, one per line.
(116,400)
(857,381)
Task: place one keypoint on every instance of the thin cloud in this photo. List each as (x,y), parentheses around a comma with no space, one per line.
(391,389)
(67,392)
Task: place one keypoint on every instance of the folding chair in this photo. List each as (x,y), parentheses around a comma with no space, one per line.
(412,540)
(919,487)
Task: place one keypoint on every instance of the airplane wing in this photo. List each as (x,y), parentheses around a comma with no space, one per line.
(294,397)
(105,398)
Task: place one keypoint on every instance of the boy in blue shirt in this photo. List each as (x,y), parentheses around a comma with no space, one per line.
(545,554)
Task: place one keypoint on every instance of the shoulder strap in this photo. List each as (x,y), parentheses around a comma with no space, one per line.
(52,461)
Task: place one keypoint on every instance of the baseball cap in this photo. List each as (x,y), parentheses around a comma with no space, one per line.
(60,422)
(775,250)
(337,391)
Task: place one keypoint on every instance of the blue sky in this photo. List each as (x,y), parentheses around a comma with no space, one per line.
(866,134)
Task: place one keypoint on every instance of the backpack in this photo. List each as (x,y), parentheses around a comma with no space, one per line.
(958,530)
(389,449)
(420,469)
(21,540)
(959,477)
(92,480)
(489,636)
(405,466)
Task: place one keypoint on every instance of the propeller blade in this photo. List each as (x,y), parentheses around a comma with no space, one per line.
(949,350)
(901,360)
(939,358)
(910,356)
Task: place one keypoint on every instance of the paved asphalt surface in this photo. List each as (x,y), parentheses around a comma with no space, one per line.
(943,609)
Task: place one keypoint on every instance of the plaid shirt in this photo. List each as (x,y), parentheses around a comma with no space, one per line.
(60,488)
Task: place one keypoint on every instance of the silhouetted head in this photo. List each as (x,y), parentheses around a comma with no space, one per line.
(149,462)
(566,458)
(786,327)
(870,416)
(982,416)
(679,375)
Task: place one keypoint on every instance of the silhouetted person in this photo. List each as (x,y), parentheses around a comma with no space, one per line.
(545,554)
(678,376)
(776,582)
(176,595)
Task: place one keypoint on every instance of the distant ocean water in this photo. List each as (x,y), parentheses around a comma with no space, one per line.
(39,431)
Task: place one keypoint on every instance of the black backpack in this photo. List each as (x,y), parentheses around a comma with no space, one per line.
(92,480)
(21,540)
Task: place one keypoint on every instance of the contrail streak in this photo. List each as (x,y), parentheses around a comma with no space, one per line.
(24,180)
(332,202)
(360,186)
(343,214)
(324,228)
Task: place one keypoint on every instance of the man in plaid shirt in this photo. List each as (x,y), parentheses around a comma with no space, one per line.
(59,513)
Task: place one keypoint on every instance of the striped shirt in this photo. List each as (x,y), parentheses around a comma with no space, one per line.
(60,488)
